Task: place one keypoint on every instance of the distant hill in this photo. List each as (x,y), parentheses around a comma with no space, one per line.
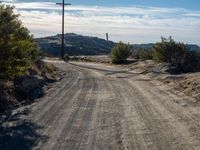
(149,46)
(143,46)
(194,47)
(75,45)
(85,45)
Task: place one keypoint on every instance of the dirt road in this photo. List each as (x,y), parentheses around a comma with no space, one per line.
(99,107)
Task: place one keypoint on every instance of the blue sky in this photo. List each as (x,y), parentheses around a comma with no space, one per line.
(188,4)
(134,21)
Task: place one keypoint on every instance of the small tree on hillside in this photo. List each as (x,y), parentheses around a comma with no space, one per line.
(17,47)
(120,53)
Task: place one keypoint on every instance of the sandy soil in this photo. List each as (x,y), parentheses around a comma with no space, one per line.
(102,107)
(188,83)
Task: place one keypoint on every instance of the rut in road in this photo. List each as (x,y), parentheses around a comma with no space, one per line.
(99,107)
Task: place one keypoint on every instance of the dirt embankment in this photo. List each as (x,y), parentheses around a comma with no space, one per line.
(189,83)
(27,88)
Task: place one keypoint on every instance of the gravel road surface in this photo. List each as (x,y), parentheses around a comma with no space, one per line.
(102,107)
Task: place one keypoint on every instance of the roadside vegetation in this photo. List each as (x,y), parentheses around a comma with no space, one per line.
(177,54)
(22,73)
(17,47)
(120,53)
(142,54)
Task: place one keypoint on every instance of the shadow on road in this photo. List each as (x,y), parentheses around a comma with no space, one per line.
(19,134)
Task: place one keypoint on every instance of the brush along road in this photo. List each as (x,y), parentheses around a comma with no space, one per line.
(102,107)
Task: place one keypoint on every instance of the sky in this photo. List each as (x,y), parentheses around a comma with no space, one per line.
(133,21)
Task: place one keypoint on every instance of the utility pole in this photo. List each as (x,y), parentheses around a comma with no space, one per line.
(107,36)
(63,26)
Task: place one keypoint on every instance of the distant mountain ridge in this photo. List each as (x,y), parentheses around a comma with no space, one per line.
(75,45)
(192,47)
(86,45)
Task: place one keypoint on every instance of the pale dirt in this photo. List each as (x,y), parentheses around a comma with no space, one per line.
(188,83)
(102,107)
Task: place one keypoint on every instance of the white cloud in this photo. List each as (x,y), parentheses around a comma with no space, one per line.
(190,14)
(132,24)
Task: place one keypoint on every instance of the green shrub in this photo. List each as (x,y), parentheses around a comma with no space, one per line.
(120,53)
(167,50)
(189,62)
(145,54)
(17,47)
(177,54)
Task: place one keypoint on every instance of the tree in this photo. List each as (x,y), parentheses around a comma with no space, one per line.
(120,53)
(168,50)
(177,54)
(17,47)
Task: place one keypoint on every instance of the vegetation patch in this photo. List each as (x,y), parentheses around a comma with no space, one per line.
(178,55)
(25,89)
(142,54)
(120,53)
(17,47)
(22,73)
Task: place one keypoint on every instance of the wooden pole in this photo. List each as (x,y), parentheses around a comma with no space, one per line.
(63,27)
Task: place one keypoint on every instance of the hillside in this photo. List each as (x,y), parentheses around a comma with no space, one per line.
(75,45)
(85,45)
(192,47)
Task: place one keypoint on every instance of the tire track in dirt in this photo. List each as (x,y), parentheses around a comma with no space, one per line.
(60,117)
(105,129)
(92,136)
(58,90)
(68,104)
(130,122)
(55,107)
(182,114)
(175,134)
(73,123)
